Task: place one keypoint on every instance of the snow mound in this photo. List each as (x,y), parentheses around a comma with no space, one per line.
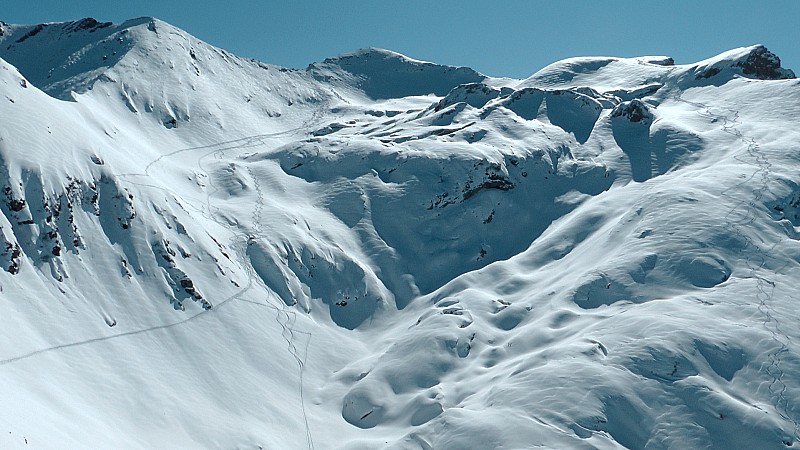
(473,94)
(566,70)
(382,74)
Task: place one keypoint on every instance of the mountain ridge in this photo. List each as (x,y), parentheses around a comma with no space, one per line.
(754,60)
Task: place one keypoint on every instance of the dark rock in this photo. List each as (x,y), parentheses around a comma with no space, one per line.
(760,64)
(331,128)
(16,205)
(764,65)
(88,24)
(493,183)
(170,123)
(668,61)
(14,252)
(708,73)
(634,110)
(474,94)
(36,30)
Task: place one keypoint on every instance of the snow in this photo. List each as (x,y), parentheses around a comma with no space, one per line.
(203,251)
(382,74)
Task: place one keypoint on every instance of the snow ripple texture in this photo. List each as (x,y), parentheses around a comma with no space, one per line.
(203,251)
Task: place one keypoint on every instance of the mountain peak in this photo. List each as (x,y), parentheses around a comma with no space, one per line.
(755,61)
(372,54)
(382,74)
(70,55)
(615,74)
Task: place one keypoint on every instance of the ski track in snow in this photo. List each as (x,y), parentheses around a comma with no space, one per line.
(120,335)
(777,387)
(764,286)
(289,315)
(423,184)
(216,306)
(219,150)
(287,330)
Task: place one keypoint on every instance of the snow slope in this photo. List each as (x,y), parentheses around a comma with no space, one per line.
(203,251)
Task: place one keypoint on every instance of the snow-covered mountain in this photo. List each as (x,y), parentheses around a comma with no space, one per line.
(204,251)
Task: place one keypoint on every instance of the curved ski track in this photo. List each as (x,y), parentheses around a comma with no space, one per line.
(239,242)
(764,286)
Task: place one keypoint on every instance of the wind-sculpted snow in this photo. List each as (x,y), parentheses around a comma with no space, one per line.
(383,74)
(203,251)
(608,74)
(459,207)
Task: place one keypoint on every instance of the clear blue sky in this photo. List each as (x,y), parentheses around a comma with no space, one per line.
(500,38)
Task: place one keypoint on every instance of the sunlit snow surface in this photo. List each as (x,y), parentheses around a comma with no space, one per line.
(203,251)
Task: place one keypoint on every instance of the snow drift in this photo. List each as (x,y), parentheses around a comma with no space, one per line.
(198,250)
